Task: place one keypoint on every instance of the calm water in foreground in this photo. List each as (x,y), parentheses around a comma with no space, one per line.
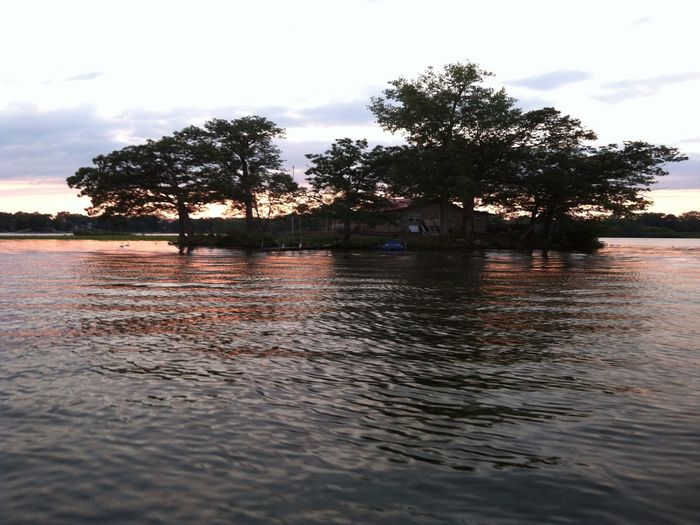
(139,386)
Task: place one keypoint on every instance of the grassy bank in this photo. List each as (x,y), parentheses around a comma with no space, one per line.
(321,240)
(413,242)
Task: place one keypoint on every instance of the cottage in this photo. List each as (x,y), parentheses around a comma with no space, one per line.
(408,216)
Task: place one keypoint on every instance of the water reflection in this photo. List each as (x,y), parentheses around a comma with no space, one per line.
(347,375)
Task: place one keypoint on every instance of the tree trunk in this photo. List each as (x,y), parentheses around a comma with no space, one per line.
(346,230)
(530,227)
(444,216)
(246,186)
(547,235)
(468,219)
(249,217)
(184,236)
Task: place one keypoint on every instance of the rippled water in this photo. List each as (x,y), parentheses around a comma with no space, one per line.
(139,386)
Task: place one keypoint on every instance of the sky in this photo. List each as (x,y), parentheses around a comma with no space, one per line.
(83,78)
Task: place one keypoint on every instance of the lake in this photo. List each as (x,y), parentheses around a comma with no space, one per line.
(140,386)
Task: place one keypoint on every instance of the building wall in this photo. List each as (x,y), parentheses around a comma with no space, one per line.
(428,216)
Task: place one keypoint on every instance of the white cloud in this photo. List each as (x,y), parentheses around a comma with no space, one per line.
(131,70)
(642,21)
(621,90)
(86,76)
(552,79)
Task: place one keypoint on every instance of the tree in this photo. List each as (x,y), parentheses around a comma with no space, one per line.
(690,221)
(278,196)
(67,221)
(244,151)
(346,174)
(554,174)
(460,132)
(543,175)
(172,175)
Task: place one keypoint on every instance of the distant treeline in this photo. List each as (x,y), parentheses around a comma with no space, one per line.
(66,222)
(641,225)
(653,225)
(71,222)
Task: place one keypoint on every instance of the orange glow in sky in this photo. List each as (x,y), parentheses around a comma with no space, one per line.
(52,198)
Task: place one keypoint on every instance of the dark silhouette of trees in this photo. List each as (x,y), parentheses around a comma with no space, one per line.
(544,176)
(465,142)
(459,133)
(243,150)
(469,141)
(278,195)
(173,175)
(653,225)
(346,173)
(555,174)
(23,221)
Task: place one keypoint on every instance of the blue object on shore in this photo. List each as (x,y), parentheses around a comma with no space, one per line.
(393,245)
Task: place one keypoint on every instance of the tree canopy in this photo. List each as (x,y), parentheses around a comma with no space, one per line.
(465,142)
(459,131)
(346,173)
(243,150)
(171,175)
(554,172)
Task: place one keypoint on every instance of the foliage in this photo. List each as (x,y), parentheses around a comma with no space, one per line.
(279,196)
(346,177)
(465,142)
(458,131)
(171,175)
(653,225)
(556,176)
(22,221)
(243,150)
(576,235)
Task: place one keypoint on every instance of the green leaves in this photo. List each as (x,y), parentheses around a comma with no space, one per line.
(554,173)
(460,131)
(348,173)
(243,151)
(346,169)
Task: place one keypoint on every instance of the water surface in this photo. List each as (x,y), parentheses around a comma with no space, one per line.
(141,386)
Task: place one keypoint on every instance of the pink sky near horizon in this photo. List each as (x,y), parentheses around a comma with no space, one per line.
(53,197)
(63,102)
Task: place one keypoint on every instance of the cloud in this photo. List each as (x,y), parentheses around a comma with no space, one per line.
(86,76)
(153,124)
(343,113)
(641,21)
(138,125)
(552,80)
(293,154)
(532,103)
(682,175)
(622,90)
(352,113)
(51,145)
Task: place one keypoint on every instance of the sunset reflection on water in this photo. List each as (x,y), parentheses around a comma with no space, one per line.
(345,387)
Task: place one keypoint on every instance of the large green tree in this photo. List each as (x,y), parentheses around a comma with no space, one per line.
(542,174)
(172,175)
(244,151)
(555,173)
(459,130)
(346,175)
(278,195)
